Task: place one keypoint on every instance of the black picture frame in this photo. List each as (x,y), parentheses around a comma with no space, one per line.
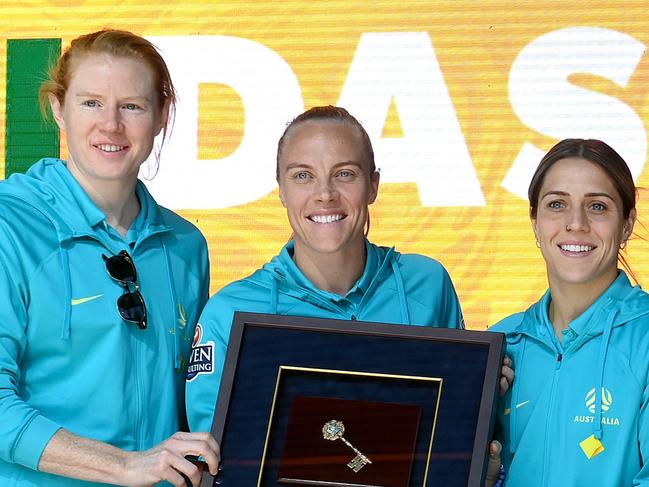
(252,408)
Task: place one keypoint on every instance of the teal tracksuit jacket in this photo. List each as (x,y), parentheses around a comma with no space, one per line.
(394,288)
(67,359)
(578,411)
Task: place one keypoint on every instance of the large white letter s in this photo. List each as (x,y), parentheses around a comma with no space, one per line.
(546,101)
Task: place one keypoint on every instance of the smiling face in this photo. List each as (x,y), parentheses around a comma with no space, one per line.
(110,115)
(580,225)
(326,186)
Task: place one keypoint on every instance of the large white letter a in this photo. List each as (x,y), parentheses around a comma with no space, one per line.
(402,66)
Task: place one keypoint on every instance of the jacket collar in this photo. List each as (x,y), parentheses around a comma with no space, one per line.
(286,267)
(50,188)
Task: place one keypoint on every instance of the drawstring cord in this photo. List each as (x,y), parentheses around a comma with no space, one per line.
(599,387)
(67,290)
(273,295)
(174,300)
(405,315)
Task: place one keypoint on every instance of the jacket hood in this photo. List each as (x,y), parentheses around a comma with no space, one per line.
(282,275)
(622,300)
(49,187)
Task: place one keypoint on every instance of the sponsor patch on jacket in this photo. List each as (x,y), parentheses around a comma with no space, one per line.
(201,360)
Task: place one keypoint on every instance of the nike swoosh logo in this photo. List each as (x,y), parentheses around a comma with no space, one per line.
(519,405)
(75,302)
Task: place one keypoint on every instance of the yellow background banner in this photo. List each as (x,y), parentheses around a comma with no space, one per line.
(500,82)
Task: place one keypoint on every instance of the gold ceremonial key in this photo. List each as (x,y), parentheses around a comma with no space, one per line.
(335,429)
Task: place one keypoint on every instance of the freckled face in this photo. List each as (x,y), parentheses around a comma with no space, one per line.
(110,116)
(580,225)
(326,186)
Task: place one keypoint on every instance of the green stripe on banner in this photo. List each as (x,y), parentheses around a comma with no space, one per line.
(28,136)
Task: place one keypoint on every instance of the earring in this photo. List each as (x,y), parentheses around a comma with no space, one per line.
(623,245)
(538,244)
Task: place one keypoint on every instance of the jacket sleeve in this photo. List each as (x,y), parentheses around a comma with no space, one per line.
(642,478)
(206,364)
(24,432)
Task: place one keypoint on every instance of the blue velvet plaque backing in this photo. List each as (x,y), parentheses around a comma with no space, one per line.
(261,344)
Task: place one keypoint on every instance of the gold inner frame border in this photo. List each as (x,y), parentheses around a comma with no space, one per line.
(437,380)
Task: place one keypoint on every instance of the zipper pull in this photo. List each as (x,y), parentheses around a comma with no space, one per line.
(559,359)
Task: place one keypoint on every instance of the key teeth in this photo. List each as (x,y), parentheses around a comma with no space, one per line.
(358,462)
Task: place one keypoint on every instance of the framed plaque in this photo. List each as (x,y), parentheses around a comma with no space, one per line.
(337,403)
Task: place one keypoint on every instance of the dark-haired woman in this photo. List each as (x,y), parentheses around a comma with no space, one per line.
(577,412)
